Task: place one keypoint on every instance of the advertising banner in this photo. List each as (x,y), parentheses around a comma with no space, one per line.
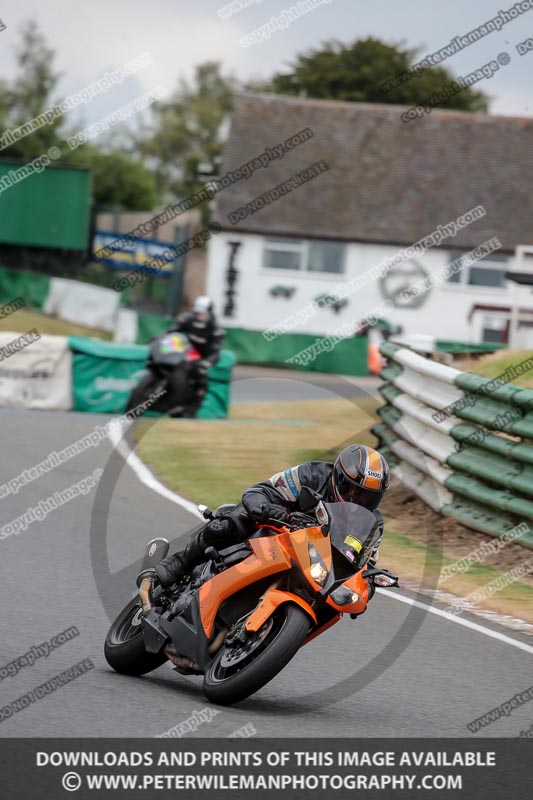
(83,303)
(35,371)
(132,252)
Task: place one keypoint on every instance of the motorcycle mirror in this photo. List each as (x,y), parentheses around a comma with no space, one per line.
(308,499)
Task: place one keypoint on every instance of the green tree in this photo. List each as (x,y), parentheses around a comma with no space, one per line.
(119,178)
(354,73)
(29,95)
(186,138)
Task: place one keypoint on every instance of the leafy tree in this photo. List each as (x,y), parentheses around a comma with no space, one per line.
(119,178)
(29,95)
(354,73)
(186,138)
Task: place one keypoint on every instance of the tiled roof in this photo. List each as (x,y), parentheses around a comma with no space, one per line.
(389,181)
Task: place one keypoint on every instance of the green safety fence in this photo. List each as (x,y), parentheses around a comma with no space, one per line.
(478,446)
(149,326)
(31,286)
(348,357)
(466,348)
(104,374)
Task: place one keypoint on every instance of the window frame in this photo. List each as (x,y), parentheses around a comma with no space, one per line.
(303,246)
(487,262)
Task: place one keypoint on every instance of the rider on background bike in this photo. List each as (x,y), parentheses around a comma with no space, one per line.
(201,328)
(359,475)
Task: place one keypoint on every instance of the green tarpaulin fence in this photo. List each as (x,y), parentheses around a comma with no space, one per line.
(104,374)
(348,357)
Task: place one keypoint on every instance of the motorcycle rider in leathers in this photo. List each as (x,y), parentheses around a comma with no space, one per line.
(359,475)
(201,328)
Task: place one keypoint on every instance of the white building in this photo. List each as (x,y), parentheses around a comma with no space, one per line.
(382,186)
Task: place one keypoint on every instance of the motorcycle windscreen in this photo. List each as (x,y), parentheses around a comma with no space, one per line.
(169,349)
(353,531)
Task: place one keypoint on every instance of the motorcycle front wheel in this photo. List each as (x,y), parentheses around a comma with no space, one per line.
(140,393)
(124,644)
(237,672)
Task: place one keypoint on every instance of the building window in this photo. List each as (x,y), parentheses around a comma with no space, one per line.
(283,254)
(306,256)
(488,271)
(325,257)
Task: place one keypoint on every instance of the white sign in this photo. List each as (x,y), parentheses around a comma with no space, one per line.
(38,376)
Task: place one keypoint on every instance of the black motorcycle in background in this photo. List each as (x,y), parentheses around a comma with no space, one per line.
(170,369)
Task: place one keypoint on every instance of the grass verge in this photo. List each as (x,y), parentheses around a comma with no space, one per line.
(214,461)
(410,558)
(25,319)
(495,364)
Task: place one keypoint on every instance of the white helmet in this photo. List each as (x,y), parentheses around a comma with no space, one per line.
(203,305)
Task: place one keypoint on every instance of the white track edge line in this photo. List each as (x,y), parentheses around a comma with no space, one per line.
(149,479)
(465,622)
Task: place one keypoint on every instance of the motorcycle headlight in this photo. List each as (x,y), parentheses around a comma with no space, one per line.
(318,573)
(318,570)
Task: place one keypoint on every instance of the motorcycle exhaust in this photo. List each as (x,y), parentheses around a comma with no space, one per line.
(218,641)
(184,665)
(145,593)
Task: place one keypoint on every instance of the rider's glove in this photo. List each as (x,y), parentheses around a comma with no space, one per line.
(270,512)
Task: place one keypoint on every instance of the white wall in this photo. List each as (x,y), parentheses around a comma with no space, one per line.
(443,315)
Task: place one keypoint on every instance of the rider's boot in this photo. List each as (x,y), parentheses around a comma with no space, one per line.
(170,570)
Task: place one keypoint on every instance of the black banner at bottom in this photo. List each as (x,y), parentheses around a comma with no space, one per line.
(259,769)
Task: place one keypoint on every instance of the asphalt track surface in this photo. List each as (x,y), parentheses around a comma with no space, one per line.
(398,671)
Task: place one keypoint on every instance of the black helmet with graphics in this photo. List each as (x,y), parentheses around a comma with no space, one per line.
(360,475)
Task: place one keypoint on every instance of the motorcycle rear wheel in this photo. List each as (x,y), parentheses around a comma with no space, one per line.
(285,632)
(124,644)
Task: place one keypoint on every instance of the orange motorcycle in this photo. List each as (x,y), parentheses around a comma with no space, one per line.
(239,618)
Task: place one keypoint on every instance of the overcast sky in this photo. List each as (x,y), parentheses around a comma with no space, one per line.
(93,37)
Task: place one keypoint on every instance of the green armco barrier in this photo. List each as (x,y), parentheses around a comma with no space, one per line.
(473,435)
(391,371)
(389,415)
(389,392)
(475,515)
(348,357)
(388,349)
(493,468)
(384,434)
(488,495)
(491,414)
(490,477)
(524,397)
(31,286)
(104,374)
(487,387)
(151,325)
